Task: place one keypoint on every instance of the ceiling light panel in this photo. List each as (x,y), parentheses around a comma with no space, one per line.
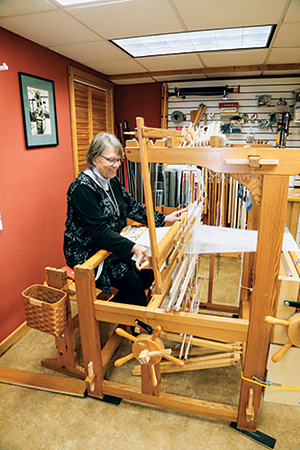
(197,41)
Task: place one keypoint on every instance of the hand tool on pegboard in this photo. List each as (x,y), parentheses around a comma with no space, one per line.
(282,129)
(279,128)
(287,117)
(199,114)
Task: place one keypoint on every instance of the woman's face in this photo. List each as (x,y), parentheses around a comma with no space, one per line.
(107,169)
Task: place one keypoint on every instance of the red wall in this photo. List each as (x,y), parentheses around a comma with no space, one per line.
(33,183)
(139,100)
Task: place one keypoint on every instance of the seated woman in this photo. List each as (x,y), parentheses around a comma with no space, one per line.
(98,206)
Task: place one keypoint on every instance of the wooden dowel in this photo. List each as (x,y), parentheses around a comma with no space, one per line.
(282,351)
(119,362)
(123,333)
(185,283)
(179,276)
(275,321)
(153,375)
(176,361)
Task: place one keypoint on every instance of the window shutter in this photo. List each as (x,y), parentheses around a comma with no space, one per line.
(91,103)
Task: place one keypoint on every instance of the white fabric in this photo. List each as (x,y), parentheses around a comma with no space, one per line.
(144,238)
(210,239)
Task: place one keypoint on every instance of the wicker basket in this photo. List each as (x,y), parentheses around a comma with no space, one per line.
(46,309)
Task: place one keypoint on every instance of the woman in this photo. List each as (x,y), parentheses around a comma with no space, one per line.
(98,206)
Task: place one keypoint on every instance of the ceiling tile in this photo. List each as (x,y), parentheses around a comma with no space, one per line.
(15,7)
(172,62)
(48,28)
(288,35)
(293,13)
(200,15)
(284,56)
(80,33)
(117,67)
(88,52)
(234,58)
(131,18)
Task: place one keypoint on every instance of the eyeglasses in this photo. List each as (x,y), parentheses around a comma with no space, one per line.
(113,161)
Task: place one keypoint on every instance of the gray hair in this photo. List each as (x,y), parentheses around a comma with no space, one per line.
(99,144)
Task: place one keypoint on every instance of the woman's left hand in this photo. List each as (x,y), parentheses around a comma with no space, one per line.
(174,216)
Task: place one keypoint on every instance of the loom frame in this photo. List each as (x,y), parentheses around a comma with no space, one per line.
(269,187)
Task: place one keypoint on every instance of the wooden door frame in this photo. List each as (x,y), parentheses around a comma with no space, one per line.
(77,75)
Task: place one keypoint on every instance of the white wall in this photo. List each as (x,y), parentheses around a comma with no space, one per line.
(248,103)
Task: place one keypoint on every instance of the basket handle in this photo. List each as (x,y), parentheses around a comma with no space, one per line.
(35,302)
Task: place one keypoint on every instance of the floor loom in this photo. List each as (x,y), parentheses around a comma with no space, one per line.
(265,173)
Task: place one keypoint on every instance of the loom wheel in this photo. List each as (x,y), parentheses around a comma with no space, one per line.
(293,333)
(148,343)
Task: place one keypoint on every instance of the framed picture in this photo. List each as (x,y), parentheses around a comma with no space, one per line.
(39,111)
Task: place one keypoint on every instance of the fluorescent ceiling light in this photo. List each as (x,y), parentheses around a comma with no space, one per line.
(197,41)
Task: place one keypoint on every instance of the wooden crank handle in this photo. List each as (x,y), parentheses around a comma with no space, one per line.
(176,361)
(119,362)
(123,333)
(275,321)
(156,332)
(153,375)
(281,352)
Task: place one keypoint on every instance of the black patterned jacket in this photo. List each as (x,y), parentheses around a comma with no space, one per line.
(92,224)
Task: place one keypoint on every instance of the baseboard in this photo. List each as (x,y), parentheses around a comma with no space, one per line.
(14,337)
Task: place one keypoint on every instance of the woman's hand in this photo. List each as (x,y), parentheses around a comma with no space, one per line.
(174,216)
(141,254)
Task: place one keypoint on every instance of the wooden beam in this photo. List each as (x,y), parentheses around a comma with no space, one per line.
(269,248)
(41,381)
(222,307)
(89,327)
(204,325)
(179,403)
(149,202)
(109,349)
(159,133)
(164,106)
(204,70)
(219,346)
(196,363)
(214,159)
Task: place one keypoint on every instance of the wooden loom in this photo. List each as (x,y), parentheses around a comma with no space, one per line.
(265,172)
(269,186)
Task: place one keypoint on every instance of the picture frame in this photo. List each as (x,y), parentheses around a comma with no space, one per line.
(39,110)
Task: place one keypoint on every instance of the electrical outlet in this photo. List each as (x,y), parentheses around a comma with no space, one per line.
(1,225)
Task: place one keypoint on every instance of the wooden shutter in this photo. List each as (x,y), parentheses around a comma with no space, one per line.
(91,103)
